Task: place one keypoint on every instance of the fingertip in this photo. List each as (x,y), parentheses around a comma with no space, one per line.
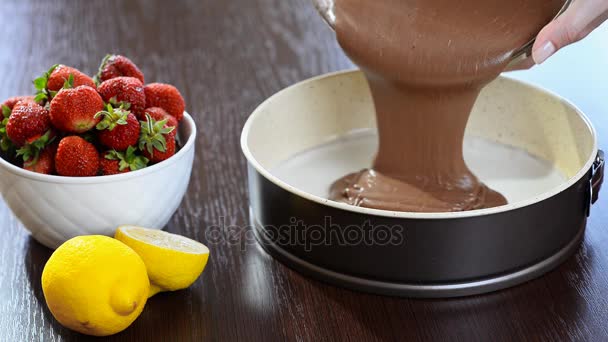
(543,52)
(545,45)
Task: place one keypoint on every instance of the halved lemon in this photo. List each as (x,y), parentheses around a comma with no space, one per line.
(173,261)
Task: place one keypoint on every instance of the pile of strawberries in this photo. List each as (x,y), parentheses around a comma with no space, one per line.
(79,126)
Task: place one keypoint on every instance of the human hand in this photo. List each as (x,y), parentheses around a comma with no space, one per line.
(580,19)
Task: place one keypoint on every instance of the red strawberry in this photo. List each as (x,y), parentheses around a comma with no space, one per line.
(120,90)
(12,101)
(157,156)
(166,97)
(37,152)
(115,66)
(5,109)
(62,73)
(118,129)
(114,162)
(73,110)
(76,158)
(58,77)
(44,163)
(27,119)
(156,141)
(160,114)
(110,167)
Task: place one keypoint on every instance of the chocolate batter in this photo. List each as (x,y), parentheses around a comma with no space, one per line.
(426,62)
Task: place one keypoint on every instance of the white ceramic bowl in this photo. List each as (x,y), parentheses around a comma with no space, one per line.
(55,209)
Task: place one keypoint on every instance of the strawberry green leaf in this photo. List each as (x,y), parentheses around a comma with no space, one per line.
(104,61)
(113,155)
(40,97)
(167,130)
(103,124)
(160,145)
(44,140)
(152,136)
(51,69)
(139,163)
(26,152)
(128,159)
(6,111)
(134,161)
(32,150)
(122,165)
(69,82)
(130,151)
(119,104)
(40,83)
(5,144)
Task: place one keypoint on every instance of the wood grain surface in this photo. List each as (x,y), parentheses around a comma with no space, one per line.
(227,56)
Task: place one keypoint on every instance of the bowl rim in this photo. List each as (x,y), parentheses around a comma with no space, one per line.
(189,122)
(416,215)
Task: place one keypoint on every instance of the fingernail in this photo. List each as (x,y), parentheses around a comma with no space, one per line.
(542,53)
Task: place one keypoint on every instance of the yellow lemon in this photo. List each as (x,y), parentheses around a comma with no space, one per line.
(95,285)
(173,261)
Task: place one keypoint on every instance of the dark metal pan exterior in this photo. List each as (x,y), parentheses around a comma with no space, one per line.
(432,258)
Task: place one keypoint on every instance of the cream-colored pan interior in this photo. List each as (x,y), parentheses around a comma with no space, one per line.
(509,112)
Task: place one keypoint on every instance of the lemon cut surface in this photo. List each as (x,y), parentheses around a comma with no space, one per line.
(173,261)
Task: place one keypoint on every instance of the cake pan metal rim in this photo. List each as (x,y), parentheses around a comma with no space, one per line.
(414,215)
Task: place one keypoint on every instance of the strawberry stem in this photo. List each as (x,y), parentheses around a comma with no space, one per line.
(153,135)
(112,117)
(104,61)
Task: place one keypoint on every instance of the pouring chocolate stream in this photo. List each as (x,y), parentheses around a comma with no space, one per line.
(426,62)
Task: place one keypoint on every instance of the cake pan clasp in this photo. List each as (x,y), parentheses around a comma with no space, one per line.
(597,176)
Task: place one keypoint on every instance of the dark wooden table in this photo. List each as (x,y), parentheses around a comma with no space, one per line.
(227,56)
